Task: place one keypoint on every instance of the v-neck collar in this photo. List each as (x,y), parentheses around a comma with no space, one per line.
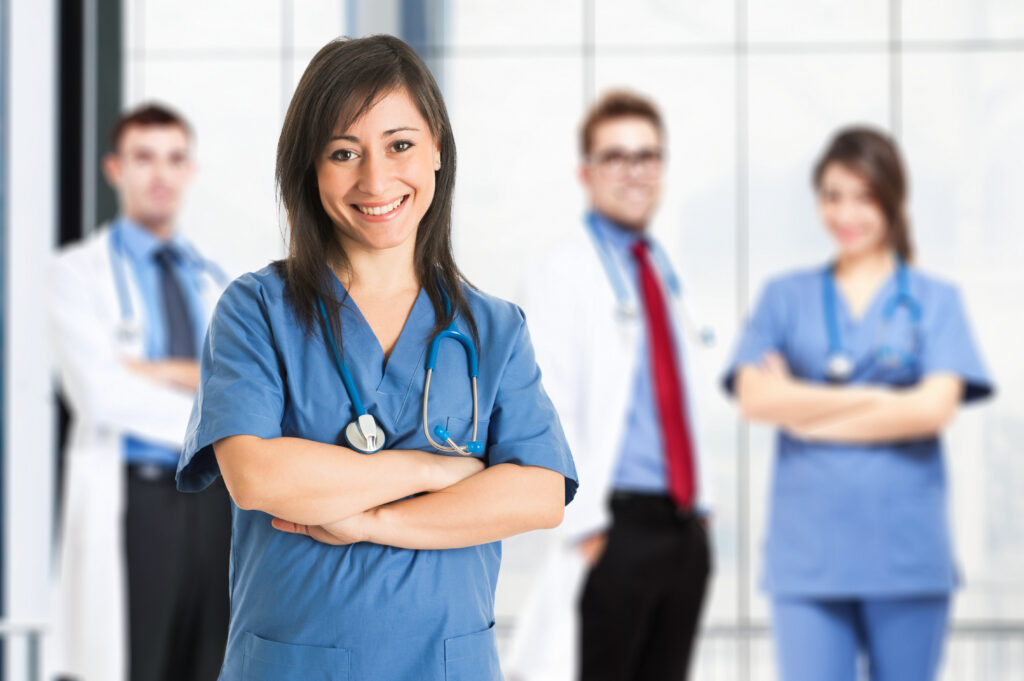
(882,293)
(394,373)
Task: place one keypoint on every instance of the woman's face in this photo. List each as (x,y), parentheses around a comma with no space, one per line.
(850,212)
(376,178)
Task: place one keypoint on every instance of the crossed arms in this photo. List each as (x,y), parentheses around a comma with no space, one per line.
(339,496)
(855,414)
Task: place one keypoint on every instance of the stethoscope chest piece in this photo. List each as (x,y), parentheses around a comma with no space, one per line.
(838,367)
(129,332)
(365,435)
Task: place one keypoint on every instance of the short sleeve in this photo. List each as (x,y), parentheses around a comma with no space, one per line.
(524,427)
(241,389)
(763,333)
(949,347)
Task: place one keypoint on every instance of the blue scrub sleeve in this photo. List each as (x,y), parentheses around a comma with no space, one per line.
(762,334)
(949,347)
(524,427)
(241,390)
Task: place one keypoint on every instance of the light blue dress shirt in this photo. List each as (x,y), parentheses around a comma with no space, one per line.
(856,520)
(138,246)
(641,461)
(305,610)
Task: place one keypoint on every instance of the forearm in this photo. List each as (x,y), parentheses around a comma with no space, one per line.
(499,502)
(182,374)
(791,403)
(901,415)
(313,483)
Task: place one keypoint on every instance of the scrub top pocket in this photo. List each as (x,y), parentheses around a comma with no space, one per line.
(462,430)
(473,657)
(918,536)
(265,660)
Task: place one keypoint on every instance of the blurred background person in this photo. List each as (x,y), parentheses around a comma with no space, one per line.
(608,320)
(861,364)
(129,309)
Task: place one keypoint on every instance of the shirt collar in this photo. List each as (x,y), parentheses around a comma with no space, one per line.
(619,238)
(140,244)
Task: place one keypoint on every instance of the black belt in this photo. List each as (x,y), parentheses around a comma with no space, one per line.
(151,472)
(652,509)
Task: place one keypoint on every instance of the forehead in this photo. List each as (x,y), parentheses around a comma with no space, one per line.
(154,137)
(629,132)
(839,176)
(394,109)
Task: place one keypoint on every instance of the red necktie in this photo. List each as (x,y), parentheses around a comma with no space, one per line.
(675,431)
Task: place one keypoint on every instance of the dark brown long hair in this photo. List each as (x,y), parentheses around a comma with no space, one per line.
(873,155)
(342,82)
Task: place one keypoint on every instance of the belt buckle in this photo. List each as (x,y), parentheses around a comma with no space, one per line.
(150,472)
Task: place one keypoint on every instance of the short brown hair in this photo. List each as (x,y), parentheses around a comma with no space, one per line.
(617,104)
(145,115)
(873,155)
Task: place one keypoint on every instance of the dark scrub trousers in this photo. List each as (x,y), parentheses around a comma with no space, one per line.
(641,602)
(178,548)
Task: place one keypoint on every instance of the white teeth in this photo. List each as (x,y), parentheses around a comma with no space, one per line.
(380,210)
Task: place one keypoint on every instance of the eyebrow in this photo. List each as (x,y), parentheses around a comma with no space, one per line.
(353,138)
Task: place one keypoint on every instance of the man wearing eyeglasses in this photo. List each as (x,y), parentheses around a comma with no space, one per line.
(625,587)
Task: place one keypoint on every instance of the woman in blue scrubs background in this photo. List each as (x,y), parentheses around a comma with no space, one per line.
(340,567)
(861,364)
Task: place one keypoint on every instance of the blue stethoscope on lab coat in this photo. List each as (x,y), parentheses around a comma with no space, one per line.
(626,306)
(129,329)
(365,434)
(839,365)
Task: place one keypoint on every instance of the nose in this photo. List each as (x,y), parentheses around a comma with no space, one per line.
(847,211)
(373,175)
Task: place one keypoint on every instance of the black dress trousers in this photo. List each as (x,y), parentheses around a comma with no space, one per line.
(641,603)
(178,548)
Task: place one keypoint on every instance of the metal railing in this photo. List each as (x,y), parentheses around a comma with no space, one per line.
(32,634)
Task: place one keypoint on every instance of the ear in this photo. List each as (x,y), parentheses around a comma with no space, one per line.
(437,157)
(112,170)
(585,174)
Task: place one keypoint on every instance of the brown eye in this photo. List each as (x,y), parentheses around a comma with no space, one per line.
(343,155)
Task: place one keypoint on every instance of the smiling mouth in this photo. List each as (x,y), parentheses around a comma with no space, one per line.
(381,209)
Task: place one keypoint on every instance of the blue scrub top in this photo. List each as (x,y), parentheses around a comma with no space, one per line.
(302,609)
(854,520)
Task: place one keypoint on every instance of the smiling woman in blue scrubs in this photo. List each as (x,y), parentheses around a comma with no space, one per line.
(340,568)
(861,363)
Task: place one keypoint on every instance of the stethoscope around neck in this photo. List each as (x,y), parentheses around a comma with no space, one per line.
(626,307)
(365,434)
(129,326)
(839,364)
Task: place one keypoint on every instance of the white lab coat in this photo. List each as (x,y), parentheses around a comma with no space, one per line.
(588,354)
(107,401)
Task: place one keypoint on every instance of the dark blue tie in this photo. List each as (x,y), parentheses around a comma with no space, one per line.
(177,320)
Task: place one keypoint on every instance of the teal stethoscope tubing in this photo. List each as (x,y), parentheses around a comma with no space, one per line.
(839,364)
(446,444)
(117,270)
(625,306)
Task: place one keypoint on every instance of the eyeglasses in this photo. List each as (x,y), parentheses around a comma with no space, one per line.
(618,162)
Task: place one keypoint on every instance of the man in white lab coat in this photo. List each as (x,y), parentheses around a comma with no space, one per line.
(142,587)
(620,599)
